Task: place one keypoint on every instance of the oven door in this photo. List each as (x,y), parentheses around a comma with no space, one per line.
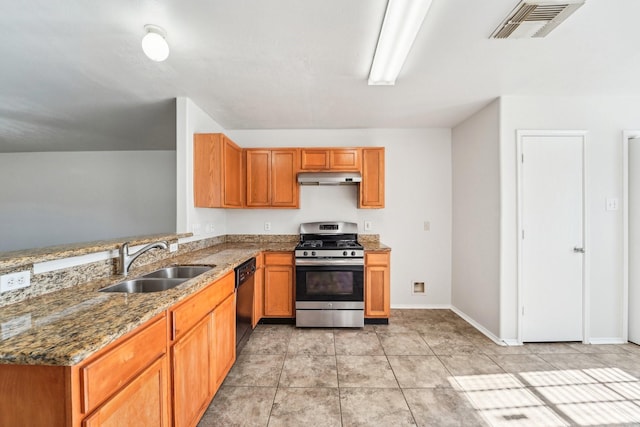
(330,280)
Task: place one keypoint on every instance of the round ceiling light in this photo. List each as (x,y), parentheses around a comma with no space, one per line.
(154,43)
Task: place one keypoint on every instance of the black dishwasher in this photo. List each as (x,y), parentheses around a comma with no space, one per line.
(245,273)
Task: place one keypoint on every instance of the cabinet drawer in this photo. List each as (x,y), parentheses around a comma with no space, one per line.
(188,313)
(106,374)
(278,258)
(377,258)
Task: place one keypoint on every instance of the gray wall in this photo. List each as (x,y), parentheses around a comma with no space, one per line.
(51,198)
(475,288)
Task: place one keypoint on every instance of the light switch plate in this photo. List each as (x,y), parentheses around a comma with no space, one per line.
(612,204)
(368,226)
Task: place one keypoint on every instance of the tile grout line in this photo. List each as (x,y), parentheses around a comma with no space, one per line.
(335,355)
(284,359)
(413,416)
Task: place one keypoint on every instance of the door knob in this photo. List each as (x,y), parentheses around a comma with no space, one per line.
(578,250)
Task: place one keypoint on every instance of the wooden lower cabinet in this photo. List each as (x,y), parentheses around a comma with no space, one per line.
(278,284)
(258,291)
(142,402)
(126,383)
(193,361)
(203,354)
(160,374)
(377,287)
(225,339)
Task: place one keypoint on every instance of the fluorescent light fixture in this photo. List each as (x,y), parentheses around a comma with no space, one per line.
(401,24)
(154,43)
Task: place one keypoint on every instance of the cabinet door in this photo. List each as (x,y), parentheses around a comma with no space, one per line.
(314,158)
(258,178)
(103,375)
(232,174)
(284,185)
(347,159)
(207,183)
(192,360)
(372,185)
(258,292)
(225,339)
(377,285)
(142,402)
(218,177)
(278,284)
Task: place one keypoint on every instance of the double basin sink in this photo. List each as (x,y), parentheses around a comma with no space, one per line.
(159,280)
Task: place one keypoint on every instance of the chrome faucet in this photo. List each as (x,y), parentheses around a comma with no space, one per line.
(126,258)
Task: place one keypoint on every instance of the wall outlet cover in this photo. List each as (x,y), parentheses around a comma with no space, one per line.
(13,281)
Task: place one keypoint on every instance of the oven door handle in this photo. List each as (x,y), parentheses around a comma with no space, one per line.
(329,262)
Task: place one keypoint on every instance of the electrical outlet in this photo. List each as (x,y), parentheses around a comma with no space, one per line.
(267,226)
(427,226)
(368,226)
(209,228)
(13,281)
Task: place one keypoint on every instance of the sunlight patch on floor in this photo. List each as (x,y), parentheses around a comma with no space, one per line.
(554,398)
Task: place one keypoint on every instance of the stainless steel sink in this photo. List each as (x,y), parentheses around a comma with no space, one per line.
(159,280)
(179,272)
(144,285)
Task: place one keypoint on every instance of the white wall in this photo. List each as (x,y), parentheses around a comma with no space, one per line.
(191,119)
(604,118)
(51,198)
(476,217)
(418,189)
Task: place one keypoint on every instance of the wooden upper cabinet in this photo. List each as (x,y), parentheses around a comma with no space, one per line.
(372,185)
(258,178)
(218,178)
(284,185)
(271,178)
(330,159)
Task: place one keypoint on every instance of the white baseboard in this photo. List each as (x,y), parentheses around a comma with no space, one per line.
(421,306)
(616,340)
(481,328)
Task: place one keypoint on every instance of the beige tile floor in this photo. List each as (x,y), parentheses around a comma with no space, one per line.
(426,368)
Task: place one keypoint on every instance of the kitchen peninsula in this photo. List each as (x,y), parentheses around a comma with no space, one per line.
(76,356)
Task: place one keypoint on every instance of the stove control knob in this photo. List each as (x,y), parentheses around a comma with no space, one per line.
(305,253)
(353,253)
(313,253)
(345,253)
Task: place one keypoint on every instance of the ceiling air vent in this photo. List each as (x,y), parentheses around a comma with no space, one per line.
(533,18)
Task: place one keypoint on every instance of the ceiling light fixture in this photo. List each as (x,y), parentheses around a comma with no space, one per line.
(154,43)
(401,24)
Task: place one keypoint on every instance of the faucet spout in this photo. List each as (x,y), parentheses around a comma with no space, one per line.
(126,259)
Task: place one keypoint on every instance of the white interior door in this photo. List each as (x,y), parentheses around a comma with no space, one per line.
(634,240)
(552,215)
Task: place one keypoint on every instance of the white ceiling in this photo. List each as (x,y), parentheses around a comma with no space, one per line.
(73,75)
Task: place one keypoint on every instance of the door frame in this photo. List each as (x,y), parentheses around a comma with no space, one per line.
(626,136)
(520,135)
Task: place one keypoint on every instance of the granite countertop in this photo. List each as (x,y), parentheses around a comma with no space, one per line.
(63,328)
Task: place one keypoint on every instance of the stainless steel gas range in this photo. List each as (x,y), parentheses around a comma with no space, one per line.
(329,276)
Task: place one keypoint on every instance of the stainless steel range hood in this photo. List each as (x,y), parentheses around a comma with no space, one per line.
(329,178)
